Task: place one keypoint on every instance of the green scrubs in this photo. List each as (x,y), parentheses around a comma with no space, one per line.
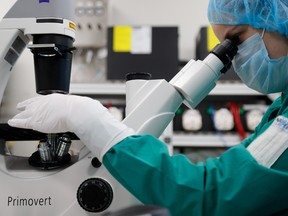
(233,184)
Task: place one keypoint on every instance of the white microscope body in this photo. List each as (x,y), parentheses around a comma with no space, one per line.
(28,190)
(151,104)
(80,187)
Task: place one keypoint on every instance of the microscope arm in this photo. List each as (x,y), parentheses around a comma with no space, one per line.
(151,105)
(41,17)
(23,22)
(12,44)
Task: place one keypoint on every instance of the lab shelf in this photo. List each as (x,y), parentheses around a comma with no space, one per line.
(180,140)
(205,140)
(119,89)
(97,89)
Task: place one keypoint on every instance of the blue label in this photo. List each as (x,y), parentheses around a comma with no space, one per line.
(41,1)
(282,122)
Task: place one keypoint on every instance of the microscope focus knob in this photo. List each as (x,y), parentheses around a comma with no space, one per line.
(95,195)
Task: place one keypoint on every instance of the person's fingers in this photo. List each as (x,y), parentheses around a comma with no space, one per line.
(20,123)
(22,105)
(21,119)
(23,115)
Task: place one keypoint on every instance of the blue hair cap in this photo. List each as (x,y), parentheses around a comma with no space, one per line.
(271,15)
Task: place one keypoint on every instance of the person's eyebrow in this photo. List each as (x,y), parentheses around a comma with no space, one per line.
(234,34)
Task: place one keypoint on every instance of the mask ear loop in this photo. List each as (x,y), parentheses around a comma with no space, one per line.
(287,50)
(263,32)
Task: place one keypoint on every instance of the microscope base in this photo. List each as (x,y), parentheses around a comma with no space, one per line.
(26,190)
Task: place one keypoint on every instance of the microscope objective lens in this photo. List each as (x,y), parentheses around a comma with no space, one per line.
(44,151)
(53,152)
(63,146)
(52,140)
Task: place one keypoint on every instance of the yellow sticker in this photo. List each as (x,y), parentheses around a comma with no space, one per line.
(122,38)
(72,25)
(212,40)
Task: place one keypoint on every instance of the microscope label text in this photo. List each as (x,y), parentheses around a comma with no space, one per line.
(29,201)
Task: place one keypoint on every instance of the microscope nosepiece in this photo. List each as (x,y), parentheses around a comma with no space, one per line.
(52,62)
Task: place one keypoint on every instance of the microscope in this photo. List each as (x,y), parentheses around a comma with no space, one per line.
(52,181)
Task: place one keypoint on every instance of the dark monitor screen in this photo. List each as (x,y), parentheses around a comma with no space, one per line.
(161,62)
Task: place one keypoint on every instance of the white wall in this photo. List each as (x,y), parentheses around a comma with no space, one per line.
(4,6)
(189,15)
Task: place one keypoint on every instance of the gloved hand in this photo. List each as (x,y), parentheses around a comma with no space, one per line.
(95,126)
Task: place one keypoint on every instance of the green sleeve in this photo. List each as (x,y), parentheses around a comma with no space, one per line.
(233,184)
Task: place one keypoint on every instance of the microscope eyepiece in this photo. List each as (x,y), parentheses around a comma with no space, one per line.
(225,51)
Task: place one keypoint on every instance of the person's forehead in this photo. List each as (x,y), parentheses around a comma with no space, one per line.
(225,31)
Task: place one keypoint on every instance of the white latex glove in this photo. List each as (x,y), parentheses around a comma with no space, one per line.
(95,126)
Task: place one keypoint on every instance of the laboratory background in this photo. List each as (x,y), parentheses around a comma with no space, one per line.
(119,37)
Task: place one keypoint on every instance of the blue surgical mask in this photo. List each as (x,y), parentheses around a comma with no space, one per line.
(257,70)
